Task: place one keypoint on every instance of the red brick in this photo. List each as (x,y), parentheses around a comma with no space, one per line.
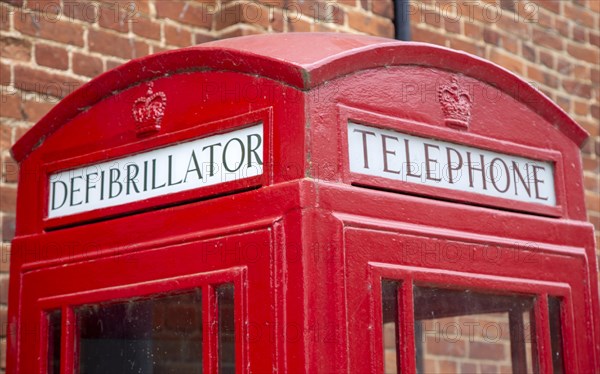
(4,74)
(589,54)
(547,59)
(467,46)
(579,34)
(8,199)
(48,8)
(47,84)
(136,8)
(15,48)
(507,61)
(8,227)
(277,21)
(146,28)
(546,19)
(112,64)
(491,37)
(529,52)
(299,25)
(34,110)
(564,102)
(422,35)
(326,12)
(370,25)
(157,49)
(578,15)
(3,317)
(551,5)
(431,17)
(50,56)
(81,10)
(384,8)
(113,16)
(487,350)
(200,38)
(5,136)
(510,43)
(592,201)
(178,36)
(351,2)
(447,366)
(509,24)
(17,3)
(535,74)
(3,341)
(10,105)
(240,12)
(595,111)
(4,257)
(473,31)
(89,66)
(238,31)
(563,27)
(595,75)
(594,219)
(116,45)
(9,169)
(591,164)
(594,38)
(452,25)
(581,109)
(565,67)
(581,72)
(591,127)
(547,39)
(446,347)
(60,31)
(197,15)
(5,16)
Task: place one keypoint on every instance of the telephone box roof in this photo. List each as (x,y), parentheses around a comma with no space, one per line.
(301,60)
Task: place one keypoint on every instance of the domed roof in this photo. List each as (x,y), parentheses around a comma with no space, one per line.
(301,60)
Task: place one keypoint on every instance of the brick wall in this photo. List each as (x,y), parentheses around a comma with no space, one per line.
(48,48)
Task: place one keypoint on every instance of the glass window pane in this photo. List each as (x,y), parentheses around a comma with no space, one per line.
(389,297)
(226,328)
(555,334)
(472,332)
(162,334)
(54,333)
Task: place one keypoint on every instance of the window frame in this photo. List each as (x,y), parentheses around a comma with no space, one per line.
(207,281)
(408,276)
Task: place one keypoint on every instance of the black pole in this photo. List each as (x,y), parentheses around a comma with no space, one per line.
(402,19)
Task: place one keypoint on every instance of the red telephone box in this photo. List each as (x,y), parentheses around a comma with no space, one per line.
(303,203)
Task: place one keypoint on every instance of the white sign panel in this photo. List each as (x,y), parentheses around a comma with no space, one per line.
(180,167)
(394,155)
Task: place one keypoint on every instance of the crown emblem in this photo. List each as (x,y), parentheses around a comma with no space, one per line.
(456,105)
(148,111)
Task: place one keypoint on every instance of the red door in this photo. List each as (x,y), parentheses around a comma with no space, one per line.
(433,301)
(170,308)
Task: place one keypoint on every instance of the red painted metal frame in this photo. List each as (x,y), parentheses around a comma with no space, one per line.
(215,261)
(206,281)
(559,276)
(408,276)
(199,131)
(348,114)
